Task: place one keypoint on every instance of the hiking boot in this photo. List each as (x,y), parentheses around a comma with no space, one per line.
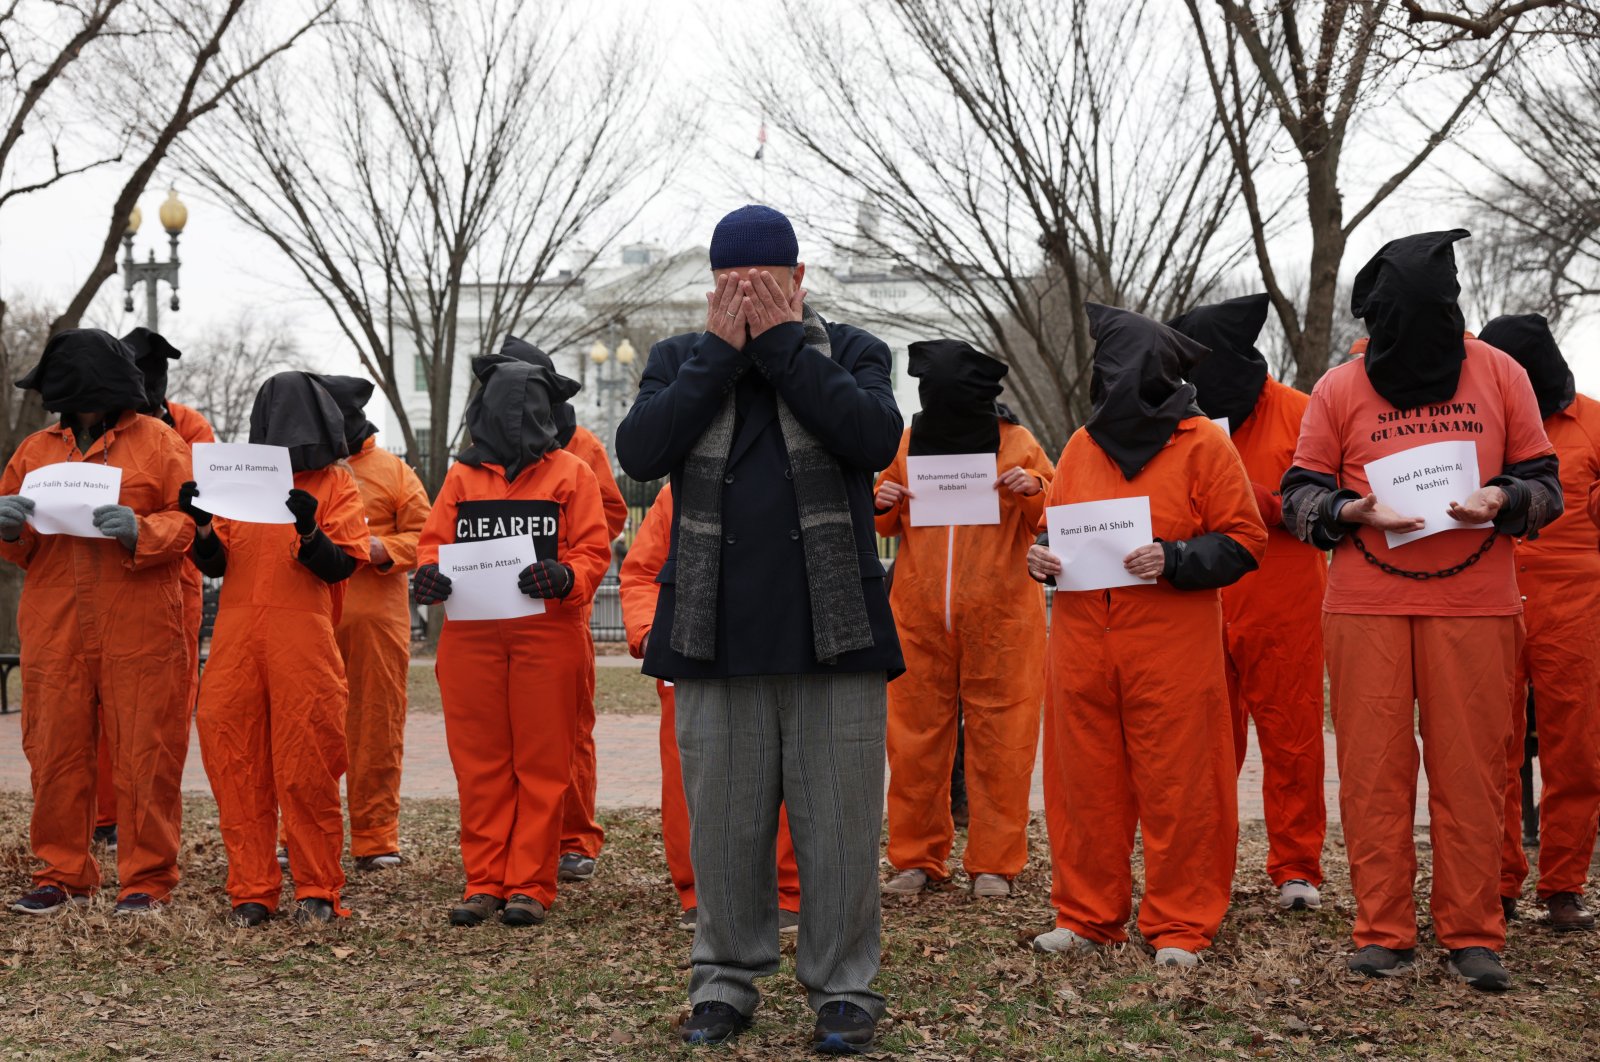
(688,917)
(386,861)
(1298,894)
(1567,913)
(907,883)
(575,866)
(47,899)
(475,909)
(522,910)
(137,903)
(106,836)
(843,1029)
(315,909)
(788,922)
(1508,905)
(990,887)
(250,915)
(1480,968)
(1177,957)
(712,1022)
(1064,942)
(1374,960)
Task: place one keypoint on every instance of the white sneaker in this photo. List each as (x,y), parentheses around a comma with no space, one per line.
(990,887)
(1064,942)
(1176,957)
(1299,895)
(906,883)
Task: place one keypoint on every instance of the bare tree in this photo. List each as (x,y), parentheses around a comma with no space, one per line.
(220,372)
(1018,159)
(427,166)
(1482,20)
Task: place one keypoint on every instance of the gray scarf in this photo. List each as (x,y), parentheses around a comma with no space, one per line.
(839,621)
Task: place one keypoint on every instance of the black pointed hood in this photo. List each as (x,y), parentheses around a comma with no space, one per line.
(1528,339)
(1228,381)
(151,352)
(511,418)
(1137,388)
(958,385)
(523,351)
(293,410)
(1416,335)
(351,394)
(85,370)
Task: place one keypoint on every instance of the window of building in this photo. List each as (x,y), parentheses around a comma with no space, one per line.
(419,380)
(424,446)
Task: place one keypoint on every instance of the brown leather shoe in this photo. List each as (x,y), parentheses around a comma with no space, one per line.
(522,910)
(1567,913)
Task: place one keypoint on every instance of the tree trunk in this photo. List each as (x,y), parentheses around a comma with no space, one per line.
(1312,353)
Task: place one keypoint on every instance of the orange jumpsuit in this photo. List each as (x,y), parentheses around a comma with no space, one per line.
(374,636)
(640,592)
(102,635)
(1559,576)
(580,830)
(272,702)
(972,629)
(1274,645)
(512,688)
(193,428)
(1137,726)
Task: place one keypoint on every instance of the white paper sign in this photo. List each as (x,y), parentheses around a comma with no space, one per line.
(248,482)
(66,495)
(953,489)
(1423,481)
(1222,422)
(483,577)
(1093,538)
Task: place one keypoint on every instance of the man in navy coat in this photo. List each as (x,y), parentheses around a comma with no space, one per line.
(774,624)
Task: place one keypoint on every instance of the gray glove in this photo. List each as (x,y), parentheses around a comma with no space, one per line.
(118,522)
(14,512)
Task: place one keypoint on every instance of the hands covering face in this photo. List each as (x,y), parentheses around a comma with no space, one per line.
(749,304)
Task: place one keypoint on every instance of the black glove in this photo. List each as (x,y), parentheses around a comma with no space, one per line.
(546,578)
(186,496)
(304,507)
(429,586)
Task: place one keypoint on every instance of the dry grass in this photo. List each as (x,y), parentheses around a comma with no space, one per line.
(618,691)
(604,978)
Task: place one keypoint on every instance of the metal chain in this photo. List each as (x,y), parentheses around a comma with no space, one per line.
(1443,573)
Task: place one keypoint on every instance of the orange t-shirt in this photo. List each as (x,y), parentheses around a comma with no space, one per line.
(1348,425)
(1575,433)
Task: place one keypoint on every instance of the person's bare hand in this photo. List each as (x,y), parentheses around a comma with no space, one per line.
(1042,564)
(1370,512)
(765,304)
(1480,507)
(725,311)
(1019,481)
(379,552)
(891,494)
(1146,562)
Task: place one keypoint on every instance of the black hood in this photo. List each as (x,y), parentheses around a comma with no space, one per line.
(292,409)
(351,394)
(1228,381)
(1416,334)
(523,351)
(151,352)
(85,370)
(1137,388)
(511,417)
(1527,338)
(958,385)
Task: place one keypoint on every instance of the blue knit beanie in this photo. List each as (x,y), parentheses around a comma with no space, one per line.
(752,236)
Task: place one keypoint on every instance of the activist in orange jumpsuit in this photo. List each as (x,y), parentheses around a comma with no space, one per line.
(971,627)
(1138,731)
(151,353)
(511,687)
(1426,631)
(1273,615)
(581,834)
(101,627)
(374,631)
(640,592)
(272,702)
(1559,574)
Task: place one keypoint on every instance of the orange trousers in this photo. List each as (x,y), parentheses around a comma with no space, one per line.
(947,679)
(1448,676)
(377,660)
(271,723)
(675,820)
(1137,734)
(1561,658)
(511,691)
(580,829)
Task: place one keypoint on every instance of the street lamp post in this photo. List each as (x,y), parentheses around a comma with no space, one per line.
(174,215)
(612,383)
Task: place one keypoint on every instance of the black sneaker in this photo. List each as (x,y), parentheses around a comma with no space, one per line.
(137,903)
(575,866)
(1374,960)
(843,1029)
(1508,906)
(314,910)
(106,836)
(712,1023)
(372,863)
(250,915)
(46,899)
(1480,968)
(687,918)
